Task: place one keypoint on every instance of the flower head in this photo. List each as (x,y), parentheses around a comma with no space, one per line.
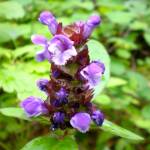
(72,77)
(92,73)
(33,106)
(81,121)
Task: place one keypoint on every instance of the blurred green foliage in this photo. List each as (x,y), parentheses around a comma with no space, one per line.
(125,32)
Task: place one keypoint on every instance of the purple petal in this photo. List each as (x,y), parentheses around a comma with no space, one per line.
(62,49)
(45,17)
(42,83)
(93,73)
(89,26)
(33,106)
(40,56)
(58,117)
(61,58)
(39,40)
(48,19)
(94,21)
(98,117)
(81,122)
(62,93)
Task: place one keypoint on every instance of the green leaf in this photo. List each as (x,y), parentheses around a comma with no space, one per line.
(119,131)
(146,112)
(11,10)
(98,52)
(10,31)
(147,36)
(114,81)
(15,79)
(115,17)
(14,112)
(51,143)
(102,99)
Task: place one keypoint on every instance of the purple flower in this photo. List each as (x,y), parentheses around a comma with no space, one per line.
(58,117)
(81,121)
(58,50)
(92,23)
(42,83)
(33,106)
(48,19)
(98,117)
(62,49)
(42,41)
(62,96)
(62,93)
(92,73)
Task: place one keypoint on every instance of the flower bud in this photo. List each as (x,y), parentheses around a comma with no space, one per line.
(58,117)
(33,106)
(98,117)
(42,83)
(81,121)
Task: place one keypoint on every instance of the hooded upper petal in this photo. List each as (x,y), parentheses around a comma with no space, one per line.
(48,19)
(89,26)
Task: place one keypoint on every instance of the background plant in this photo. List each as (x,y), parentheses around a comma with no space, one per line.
(125,34)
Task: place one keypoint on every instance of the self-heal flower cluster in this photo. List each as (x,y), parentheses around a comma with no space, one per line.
(72,79)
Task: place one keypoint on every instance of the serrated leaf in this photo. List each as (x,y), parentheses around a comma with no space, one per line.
(14,79)
(119,131)
(11,10)
(51,143)
(98,52)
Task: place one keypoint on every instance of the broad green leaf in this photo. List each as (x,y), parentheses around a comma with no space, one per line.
(19,113)
(98,52)
(119,131)
(123,53)
(51,143)
(13,112)
(115,17)
(114,81)
(146,112)
(102,99)
(10,31)
(15,79)
(147,36)
(11,10)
